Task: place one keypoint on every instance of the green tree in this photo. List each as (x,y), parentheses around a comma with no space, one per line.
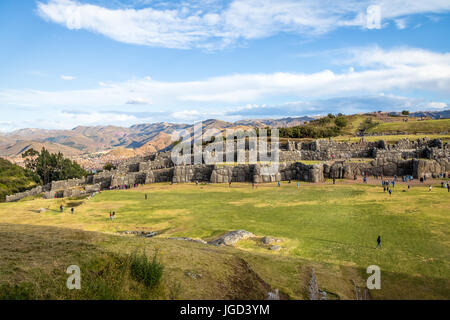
(341,121)
(109,166)
(405,112)
(52,166)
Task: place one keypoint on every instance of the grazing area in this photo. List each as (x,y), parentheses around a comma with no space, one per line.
(331,229)
(412,127)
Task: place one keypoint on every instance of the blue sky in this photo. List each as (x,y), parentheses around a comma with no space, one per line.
(89,62)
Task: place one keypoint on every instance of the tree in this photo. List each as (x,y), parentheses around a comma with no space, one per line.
(109,166)
(341,122)
(52,166)
(30,157)
(405,112)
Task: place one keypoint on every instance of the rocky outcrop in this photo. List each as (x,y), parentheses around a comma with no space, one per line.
(313,288)
(145,234)
(231,238)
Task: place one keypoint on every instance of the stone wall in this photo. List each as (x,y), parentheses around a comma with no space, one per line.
(192,173)
(420,158)
(67,184)
(16,197)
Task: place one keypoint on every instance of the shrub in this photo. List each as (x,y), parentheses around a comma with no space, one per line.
(341,122)
(23,291)
(145,270)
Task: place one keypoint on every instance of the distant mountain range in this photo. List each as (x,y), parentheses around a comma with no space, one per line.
(445,114)
(143,138)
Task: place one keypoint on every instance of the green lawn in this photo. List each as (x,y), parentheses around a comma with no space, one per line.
(331,227)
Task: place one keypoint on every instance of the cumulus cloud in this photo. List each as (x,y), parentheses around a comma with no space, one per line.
(377,71)
(67,78)
(346,105)
(138,101)
(219,25)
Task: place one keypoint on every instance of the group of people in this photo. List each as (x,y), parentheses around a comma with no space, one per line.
(389,185)
(61,209)
(125,186)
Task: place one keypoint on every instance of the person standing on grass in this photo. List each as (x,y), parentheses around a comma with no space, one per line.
(110,215)
(390,191)
(334,180)
(145,196)
(448,186)
(378,242)
(114,215)
(298,184)
(279,184)
(71,210)
(61,208)
(429,188)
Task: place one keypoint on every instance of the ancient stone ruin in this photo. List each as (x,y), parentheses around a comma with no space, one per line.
(421,158)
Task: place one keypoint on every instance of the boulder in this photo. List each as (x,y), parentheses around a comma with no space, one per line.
(269,240)
(231,238)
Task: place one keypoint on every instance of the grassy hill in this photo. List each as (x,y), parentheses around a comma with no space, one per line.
(413,127)
(13,179)
(331,228)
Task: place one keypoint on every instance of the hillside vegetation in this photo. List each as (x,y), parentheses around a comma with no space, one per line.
(14,179)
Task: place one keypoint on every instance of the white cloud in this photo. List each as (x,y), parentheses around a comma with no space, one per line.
(400,23)
(67,78)
(185,26)
(138,101)
(96,118)
(378,71)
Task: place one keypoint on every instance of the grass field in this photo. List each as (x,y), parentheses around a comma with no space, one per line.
(413,126)
(394,138)
(331,228)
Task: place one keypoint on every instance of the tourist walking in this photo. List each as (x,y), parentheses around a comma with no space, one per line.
(72,210)
(378,242)
(429,188)
(298,184)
